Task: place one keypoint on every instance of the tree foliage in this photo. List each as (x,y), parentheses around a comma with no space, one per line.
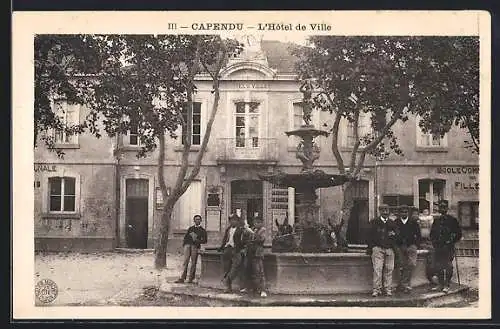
(388,79)
(153,94)
(61,64)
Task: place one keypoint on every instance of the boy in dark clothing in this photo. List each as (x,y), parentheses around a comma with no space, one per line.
(381,243)
(445,232)
(407,246)
(195,236)
(255,254)
(232,248)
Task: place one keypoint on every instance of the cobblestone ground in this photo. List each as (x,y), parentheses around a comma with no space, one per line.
(121,278)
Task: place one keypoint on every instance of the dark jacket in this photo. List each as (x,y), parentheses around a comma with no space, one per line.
(238,238)
(409,233)
(256,243)
(384,235)
(201,236)
(445,231)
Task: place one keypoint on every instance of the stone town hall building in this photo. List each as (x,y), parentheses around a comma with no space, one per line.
(91,201)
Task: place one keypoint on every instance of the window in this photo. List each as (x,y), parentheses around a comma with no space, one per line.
(196,123)
(429,193)
(364,128)
(62,196)
(468,214)
(69,114)
(396,200)
(132,138)
(133,135)
(298,116)
(296,120)
(247,124)
(429,140)
(190,204)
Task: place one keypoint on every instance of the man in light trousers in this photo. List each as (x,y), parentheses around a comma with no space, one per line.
(382,241)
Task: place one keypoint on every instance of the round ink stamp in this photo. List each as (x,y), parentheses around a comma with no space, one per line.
(46,291)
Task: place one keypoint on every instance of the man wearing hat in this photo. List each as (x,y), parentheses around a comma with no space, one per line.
(407,246)
(381,244)
(445,232)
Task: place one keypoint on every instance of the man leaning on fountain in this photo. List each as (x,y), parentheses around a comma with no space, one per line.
(232,249)
(382,240)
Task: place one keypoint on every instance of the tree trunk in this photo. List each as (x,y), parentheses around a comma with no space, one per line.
(162,241)
(347,204)
(168,207)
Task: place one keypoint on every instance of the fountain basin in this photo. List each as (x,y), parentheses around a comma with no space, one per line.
(310,273)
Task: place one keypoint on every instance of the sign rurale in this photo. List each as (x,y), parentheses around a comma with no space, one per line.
(45,167)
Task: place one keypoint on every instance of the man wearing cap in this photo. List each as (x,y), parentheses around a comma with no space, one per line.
(407,246)
(381,243)
(445,232)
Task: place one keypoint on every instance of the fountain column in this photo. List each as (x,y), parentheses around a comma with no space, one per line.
(307,225)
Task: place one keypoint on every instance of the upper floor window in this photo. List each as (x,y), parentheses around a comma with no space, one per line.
(133,137)
(364,128)
(298,115)
(296,120)
(62,194)
(430,140)
(195,123)
(247,124)
(69,115)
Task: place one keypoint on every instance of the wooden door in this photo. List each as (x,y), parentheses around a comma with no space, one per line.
(136,213)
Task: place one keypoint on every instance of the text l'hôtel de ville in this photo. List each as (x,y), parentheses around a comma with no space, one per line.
(261,27)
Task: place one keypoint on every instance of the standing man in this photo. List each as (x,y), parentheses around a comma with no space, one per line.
(381,243)
(445,232)
(408,244)
(195,236)
(232,248)
(255,257)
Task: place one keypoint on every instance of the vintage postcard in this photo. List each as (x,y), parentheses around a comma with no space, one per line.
(257,165)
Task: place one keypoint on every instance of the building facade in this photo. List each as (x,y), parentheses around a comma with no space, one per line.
(93,200)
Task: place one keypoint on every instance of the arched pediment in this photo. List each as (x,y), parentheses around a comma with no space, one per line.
(247,71)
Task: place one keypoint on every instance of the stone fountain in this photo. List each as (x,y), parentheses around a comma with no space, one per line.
(307,269)
(307,229)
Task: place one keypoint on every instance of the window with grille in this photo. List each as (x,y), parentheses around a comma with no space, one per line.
(62,196)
